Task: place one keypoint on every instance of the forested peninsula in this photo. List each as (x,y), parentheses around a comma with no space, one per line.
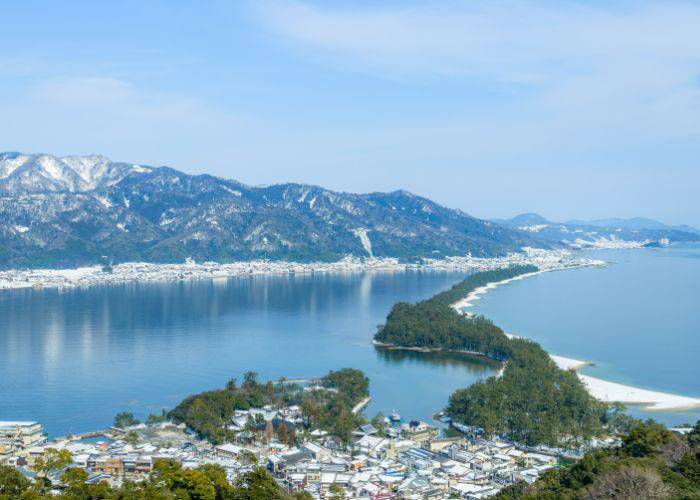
(326,406)
(532,400)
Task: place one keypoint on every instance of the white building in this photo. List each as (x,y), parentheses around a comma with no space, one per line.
(15,436)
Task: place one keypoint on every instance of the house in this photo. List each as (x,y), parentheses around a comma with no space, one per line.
(473,491)
(108,465)
(317,451)
(371,445)
(419,459)
(18,435)
(419,431)
(530,459)
(366,430)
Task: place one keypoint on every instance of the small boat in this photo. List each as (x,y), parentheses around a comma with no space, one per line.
(394,417)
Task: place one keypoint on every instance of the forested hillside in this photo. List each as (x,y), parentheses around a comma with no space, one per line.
(651,463)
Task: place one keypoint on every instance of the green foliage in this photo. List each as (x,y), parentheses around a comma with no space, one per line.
(258,484)
(379,422)
(51,461)
(131,437)
(12,483)
(533,401)
(645,438)
(336,492)
(125,419)
(209,413)
(168,481)
(651,462)
(349,382)
(433,324)
(157,419)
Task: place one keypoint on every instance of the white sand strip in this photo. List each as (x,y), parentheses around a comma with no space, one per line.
(569,363)
(603,390)
(613,392)
(650,400)
(479,291)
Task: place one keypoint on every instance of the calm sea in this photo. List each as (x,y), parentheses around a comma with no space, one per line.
(71,359)
(638,319)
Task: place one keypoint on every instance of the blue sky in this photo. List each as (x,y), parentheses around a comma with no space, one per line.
(572,109)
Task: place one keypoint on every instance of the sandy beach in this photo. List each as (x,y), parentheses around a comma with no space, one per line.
(613,392)
(479,291)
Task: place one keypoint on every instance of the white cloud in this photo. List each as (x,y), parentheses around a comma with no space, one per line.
(579,70)
(507,41)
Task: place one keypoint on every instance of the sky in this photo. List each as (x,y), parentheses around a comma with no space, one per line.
(572,109)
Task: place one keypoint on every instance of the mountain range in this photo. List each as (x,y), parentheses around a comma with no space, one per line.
(578,233)
(78,210)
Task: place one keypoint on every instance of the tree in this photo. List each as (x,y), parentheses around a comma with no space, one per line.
(282,433)
(645,438)
(217,478)
(292,440)
(202,483)
(250,427)
(52,461)
(125,419)
(247,458)
(258,484)
(250,380)
(74,479)
(379,422)
(349,382)
(74,475)
(259,421)
(132,437)
(337,492)
(12,483)
(156,419)
(630,482)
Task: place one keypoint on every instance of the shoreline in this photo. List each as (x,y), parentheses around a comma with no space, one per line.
(393,347)
(138,272)
(603,390)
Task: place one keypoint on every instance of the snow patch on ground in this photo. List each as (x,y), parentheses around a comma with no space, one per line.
(366,243)
(534,228)
(232,191)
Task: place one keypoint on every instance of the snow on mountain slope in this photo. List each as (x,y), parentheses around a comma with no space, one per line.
(20,173)
(608,233)
(78,210)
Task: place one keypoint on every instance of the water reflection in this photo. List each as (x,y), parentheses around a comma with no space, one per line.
(72,359)
(477,365)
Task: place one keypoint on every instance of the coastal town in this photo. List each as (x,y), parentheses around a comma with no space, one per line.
(190,270)
(389,459)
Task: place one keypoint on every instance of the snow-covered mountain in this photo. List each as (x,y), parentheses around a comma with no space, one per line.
(40,173)
(68,211)
(601,233)
(634,223)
